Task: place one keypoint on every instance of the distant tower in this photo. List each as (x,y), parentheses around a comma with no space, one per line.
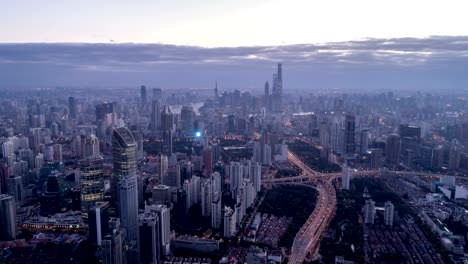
(157,94)
(167,127)
(125,163)
(277,93)
(266,97)
(388,213)
(143,96)
(72,107)
(349,134)
(216,89)
(280,80)
(392,149)
(187,120)
(7,217)
(155,116)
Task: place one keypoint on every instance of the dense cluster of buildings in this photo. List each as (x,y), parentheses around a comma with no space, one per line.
(141,172)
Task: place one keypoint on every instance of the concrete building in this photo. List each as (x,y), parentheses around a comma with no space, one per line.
(92,186)
(369,212)
(230,222)
(350,134)
(393,149)
(149,240)
(345,178)
(164,225)
(7,217)
(388,213)
(216,212)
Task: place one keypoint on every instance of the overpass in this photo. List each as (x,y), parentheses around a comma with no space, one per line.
(306,243)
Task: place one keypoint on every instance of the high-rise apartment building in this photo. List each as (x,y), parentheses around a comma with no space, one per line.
(369,212)
(349,134)
(388,213)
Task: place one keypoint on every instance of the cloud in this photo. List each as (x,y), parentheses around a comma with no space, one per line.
(366,63)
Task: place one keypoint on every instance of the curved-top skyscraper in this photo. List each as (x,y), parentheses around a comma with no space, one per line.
(125,180)
(124,153)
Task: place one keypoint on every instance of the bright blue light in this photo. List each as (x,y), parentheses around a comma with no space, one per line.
(198,134)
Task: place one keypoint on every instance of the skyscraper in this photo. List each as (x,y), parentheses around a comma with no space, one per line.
(256,176)
(235,175)
(89,146)
(230,222)
(364,141)
(157,94)
(277,93)
(98,222)
(15,188)
(206,197)
(128,206)
(164,226)
(167,127)
(91,183)
(155,116)
(72,107)
(143,96)
(149,246)
(123,153)
(125,179)
(266,97)
(216,214)
(392,149)
(7,217)
(187,119)
(349,135)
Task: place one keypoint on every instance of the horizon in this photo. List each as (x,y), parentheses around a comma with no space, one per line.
(349,65)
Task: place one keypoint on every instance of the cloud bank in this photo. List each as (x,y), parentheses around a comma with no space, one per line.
(404,63)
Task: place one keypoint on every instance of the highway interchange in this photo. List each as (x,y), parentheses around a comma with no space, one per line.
(307,240)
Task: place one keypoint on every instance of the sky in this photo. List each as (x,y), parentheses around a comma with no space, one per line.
(216,23)
(391,64)
(333,44)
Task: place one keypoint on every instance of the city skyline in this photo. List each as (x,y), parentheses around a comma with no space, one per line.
(216,131)
(436,63)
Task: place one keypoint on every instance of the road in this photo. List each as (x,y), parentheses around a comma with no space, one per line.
(308,237)
(307,240)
